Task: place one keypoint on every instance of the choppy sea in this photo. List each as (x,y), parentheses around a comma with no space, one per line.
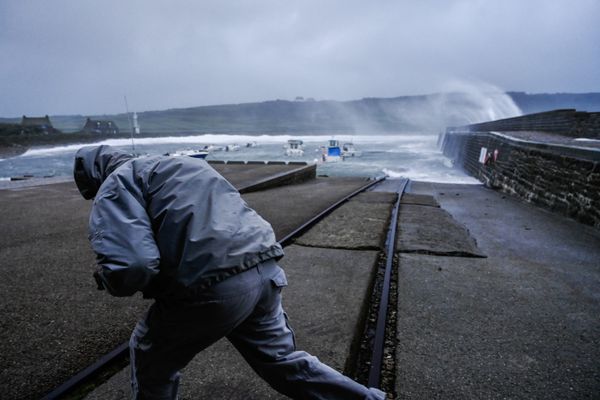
(415,156)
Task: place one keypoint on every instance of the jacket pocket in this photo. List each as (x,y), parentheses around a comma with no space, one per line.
(279,280)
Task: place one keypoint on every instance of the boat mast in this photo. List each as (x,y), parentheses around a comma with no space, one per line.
(130,124)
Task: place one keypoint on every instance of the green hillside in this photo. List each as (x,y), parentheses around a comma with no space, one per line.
(406,113)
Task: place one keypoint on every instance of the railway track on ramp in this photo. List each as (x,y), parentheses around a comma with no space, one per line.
(117,358)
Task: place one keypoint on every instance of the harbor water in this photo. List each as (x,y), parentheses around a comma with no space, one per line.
(415,156)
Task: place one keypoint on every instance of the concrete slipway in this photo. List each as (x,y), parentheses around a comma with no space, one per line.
(496,298)
(54,322)
(523,323)
(330,276)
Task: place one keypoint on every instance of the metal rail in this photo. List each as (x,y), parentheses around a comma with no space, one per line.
(378,344)
(122,350)
(286,240)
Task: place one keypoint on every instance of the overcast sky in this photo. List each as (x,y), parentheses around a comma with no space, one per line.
(82,57)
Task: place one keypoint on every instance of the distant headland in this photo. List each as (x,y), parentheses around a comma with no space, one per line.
(397,114)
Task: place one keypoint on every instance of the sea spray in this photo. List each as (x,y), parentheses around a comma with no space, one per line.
(414,154)
(480,102)
(461,103)
(220,139)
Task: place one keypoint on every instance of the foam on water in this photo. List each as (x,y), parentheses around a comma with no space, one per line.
(220,139)
(409,155)
(425,176)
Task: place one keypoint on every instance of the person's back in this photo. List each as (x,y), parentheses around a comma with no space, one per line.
(177,231)
(189,222)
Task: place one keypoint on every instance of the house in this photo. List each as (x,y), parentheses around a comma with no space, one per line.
(37,125)
(102,127)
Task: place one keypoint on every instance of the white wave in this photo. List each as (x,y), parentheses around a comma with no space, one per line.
(228,139)
(432,176)
(42,151)
(394,174)
(586,140)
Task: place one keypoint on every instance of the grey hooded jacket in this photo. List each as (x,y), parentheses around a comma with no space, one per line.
(169,227)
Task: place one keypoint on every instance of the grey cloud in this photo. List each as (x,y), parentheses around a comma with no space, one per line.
(69,57)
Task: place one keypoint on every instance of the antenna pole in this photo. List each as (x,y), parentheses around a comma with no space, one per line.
(130,124)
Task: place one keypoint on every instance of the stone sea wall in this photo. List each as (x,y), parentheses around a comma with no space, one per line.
(566,122)
(560,178)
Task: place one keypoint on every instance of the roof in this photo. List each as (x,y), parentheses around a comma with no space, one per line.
(35,121)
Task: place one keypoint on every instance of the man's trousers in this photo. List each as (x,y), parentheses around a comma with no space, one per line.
(246,309)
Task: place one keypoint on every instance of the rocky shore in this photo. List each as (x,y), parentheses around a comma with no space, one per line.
(7,151)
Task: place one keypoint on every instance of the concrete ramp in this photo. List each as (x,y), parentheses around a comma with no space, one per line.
(419,200)
(287,207)
(250,177)
(360,224)
(432,230)
(46,287)
(520,324)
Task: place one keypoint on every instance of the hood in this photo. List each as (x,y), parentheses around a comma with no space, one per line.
(93,164)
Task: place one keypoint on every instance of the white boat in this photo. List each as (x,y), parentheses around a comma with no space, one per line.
(212,147)
(190,153)
(232,147)
(294,148)
(348,150)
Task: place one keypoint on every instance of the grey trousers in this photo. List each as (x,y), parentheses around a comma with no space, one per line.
(246,309)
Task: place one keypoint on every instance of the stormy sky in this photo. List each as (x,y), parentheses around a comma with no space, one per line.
(82,57)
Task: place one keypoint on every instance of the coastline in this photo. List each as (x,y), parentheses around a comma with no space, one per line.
(12,151)
(14,145)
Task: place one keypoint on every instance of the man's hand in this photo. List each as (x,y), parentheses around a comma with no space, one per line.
(98,280)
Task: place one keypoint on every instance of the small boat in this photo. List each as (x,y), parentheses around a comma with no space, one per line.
(212,147)
(294,147)
(190,153)
(348,150)
(232,147)
(251,144)
(333,152)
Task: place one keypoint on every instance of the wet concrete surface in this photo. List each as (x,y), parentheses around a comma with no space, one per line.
(51,311)
(326,301)
(522,323)
(360,224)
(432,230)
(239,175)
(419,199)
(54,321)
(290,205)
(252,177)
(245,174)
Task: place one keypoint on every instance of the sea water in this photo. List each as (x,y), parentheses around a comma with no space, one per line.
(413,155)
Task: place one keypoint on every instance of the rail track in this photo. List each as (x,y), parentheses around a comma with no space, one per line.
(382,313)
(118,355)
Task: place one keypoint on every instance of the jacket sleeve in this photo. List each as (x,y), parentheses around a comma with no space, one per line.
(122,237)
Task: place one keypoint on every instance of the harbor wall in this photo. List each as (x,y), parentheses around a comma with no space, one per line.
(567,122)
(560,178)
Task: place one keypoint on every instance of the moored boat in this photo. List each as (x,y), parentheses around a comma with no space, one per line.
(333,151)
(294,147)
(212,147)
(348,150)
(189,153)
